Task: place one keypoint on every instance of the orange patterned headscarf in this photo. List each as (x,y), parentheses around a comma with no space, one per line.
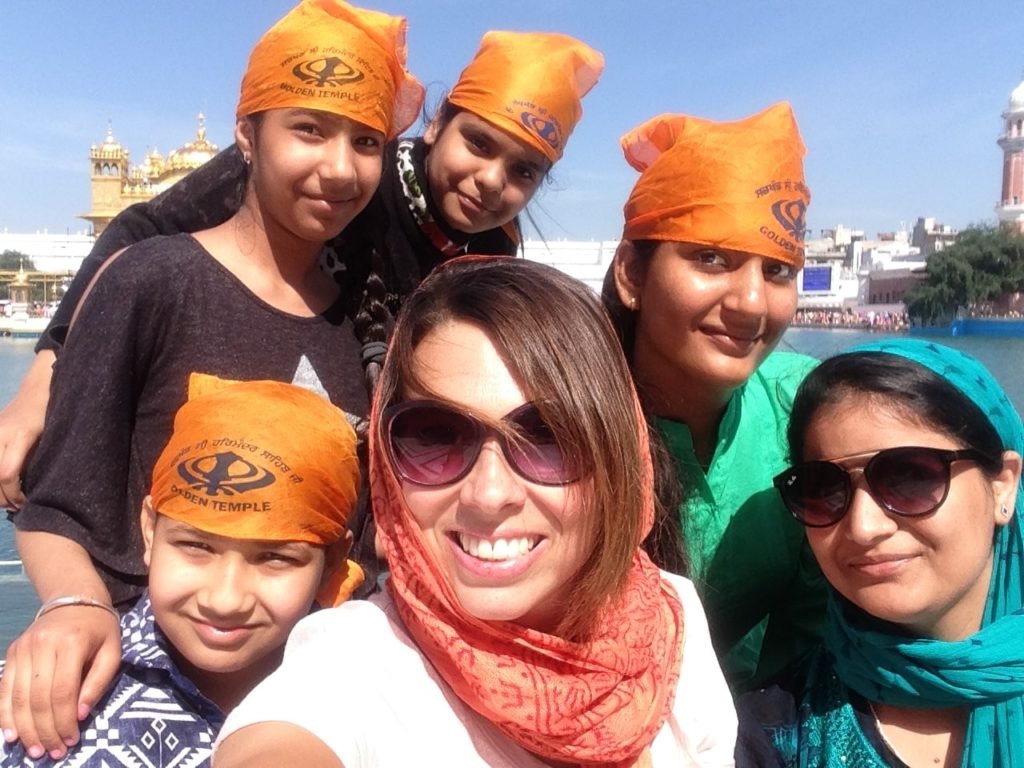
(334,57)
(736,185)
(530,85)
(261,460)
(598,702)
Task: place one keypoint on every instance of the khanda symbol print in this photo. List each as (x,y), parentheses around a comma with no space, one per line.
(224,474)
(545,129)
(330,71)
(791,215)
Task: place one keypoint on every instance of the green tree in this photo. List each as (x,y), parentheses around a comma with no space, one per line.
(11,261)
(985,263)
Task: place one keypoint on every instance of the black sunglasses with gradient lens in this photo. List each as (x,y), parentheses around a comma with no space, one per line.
(909,481)
(432,444)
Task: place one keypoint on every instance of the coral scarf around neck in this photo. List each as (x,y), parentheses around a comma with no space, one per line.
(600,702)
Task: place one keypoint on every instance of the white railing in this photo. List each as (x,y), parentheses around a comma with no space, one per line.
(4,564)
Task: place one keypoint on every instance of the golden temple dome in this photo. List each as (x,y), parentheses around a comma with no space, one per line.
(195,153)
(153,165)
(116,183)
(110,149)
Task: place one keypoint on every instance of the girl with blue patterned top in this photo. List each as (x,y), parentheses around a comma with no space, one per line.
(244,527)
(242,300)
(907,480)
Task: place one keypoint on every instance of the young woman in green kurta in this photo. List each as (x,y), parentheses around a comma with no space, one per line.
(702,288)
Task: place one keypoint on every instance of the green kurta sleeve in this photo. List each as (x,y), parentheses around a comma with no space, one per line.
(760,585)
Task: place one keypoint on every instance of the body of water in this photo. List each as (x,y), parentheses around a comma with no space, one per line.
(1004,357)
(18,601)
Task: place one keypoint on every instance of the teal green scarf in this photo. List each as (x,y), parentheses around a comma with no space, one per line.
(985,671)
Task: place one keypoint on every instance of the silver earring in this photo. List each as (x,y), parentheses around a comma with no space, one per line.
(1005,512)
(246,159)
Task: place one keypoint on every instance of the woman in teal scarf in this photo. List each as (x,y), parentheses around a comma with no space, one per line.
(908,484)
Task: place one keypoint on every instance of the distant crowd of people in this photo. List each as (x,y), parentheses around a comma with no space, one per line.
(987,310)
(884,321)
(848,318)
(37,309)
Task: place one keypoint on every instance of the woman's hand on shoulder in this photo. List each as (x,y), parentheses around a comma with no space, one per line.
(274,745)
(56,671)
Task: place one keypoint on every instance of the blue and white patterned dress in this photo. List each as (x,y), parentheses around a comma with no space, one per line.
(152,717)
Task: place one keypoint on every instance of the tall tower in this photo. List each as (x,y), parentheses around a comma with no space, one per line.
(1010,209)
(110,167)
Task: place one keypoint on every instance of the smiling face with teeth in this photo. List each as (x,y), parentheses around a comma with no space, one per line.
(510,548)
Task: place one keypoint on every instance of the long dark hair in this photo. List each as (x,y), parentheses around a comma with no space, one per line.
(665,545)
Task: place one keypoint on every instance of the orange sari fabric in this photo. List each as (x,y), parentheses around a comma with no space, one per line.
(601,702)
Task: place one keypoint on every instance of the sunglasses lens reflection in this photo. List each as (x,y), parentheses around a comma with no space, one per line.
(535,452)
(432,446)
(908,481)
(818,493)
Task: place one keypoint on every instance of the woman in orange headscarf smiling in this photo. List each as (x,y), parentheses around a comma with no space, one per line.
(521,626)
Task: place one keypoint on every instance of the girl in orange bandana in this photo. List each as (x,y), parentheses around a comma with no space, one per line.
(460,188)
(701,290)
(244,528)
(521,625)
(325,89)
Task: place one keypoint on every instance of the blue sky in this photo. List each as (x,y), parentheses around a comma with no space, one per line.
(899,102)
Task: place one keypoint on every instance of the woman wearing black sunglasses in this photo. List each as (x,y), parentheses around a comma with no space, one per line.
(908,483)
(521,626)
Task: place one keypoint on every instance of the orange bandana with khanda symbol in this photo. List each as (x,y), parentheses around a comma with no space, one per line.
(265,461)
(530,85)
(334,57)
(737,185)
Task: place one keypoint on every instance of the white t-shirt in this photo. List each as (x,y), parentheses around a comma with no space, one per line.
(353,677)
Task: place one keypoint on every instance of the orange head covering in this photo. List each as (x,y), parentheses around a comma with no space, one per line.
(736,185)
(334,57)
(598,702)
(261,460)
(530,85)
